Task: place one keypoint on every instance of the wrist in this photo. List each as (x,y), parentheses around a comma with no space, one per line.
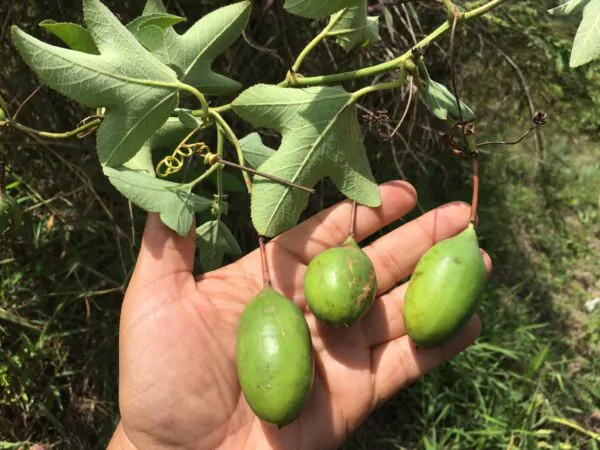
(120,441)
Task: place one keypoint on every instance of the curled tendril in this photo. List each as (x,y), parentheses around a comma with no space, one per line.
(210,159)
(173,163)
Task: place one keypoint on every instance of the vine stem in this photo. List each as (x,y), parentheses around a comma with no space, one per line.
(381,86)
(219,174)
(204,176)
(394,63)
(475,199)
(264,262)
(50,135)
(196,93)
(316,41)
(231,137)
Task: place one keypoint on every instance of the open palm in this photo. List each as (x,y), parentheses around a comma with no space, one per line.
(178,383)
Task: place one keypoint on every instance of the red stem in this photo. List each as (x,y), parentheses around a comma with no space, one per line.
(475,191)
(352,220)
(265,264)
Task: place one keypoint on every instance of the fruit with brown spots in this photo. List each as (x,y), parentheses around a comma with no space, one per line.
(340,284)
(275,364)
(443,290)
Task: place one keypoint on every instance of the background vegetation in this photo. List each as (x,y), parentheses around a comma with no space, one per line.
(531,381)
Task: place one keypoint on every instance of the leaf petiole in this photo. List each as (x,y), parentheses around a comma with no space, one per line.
(196,93)
(381,86)
(316,41)
(47,134)
(232,138)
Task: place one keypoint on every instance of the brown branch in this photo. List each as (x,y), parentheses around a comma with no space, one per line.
(266,175)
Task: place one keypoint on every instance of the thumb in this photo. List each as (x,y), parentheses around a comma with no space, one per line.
(163,252)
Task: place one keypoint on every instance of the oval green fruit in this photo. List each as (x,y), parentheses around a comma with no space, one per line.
(274,357)
(443,290)
(2,115)
(340,284)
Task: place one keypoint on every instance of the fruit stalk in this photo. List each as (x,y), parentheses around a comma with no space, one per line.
(264,262)
(475,199)
(352,227)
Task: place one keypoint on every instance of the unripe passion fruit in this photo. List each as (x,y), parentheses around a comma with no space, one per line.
(340,284)
(275,363)
(443,290)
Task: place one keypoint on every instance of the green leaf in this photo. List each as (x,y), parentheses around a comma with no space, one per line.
(188,120)
(354,28)
(75,36)
(569,7)
(255,152)
(161,20)
(214,240)
(168,136)
(441,101)
(315,9)
(142,162)
(175,202)
(320,138)
(138,91)
(586,46)
(193,53)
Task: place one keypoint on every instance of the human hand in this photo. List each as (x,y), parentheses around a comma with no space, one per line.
(178,384)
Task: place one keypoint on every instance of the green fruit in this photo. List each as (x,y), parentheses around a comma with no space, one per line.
(340,284)
(2,115)
(443,290)
(275,363)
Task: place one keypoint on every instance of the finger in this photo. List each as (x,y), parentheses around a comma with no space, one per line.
(163,252)
(396,254)
(385,321)
(399,363)
(331,226)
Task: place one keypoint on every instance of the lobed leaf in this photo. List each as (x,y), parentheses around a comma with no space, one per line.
(175,202)
(215,240)
(255,152)
(586,46)
(193,53)
(161,20)
(137,90)
(354,28)
(72,34)
(320,138)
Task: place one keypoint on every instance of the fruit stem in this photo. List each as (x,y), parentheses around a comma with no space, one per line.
(475,190)
(263,259)
(352,228)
